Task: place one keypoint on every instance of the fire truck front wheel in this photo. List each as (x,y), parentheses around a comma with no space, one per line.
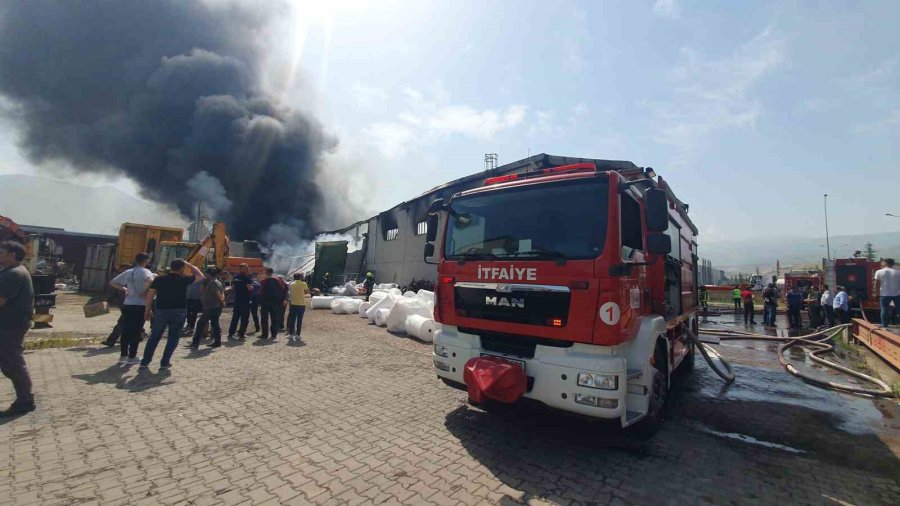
(651,423)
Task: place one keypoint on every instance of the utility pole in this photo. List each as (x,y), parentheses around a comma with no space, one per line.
(827,240)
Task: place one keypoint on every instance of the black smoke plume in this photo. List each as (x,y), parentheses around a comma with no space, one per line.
(168,93)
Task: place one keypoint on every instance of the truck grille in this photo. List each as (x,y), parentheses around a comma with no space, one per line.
(510,344)
(549,308)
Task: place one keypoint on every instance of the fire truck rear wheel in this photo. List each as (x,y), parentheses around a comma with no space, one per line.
(651,423)
(686,367)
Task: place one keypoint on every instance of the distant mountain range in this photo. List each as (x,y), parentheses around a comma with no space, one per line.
(31,200)
(748,254)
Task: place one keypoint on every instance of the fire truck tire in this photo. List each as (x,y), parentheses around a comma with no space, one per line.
(686,367)
(651,423)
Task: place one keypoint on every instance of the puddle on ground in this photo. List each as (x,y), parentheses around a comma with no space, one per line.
(744,438)
(759,377)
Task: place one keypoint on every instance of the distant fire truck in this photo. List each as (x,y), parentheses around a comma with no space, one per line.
(573,285)
(857,275)
(802,280)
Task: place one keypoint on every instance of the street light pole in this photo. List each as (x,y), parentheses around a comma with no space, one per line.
(827,240)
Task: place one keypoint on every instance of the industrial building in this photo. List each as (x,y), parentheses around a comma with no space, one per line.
(393,241)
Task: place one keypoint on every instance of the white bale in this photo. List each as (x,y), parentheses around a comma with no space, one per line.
(396,291)
(409,293)
(350,306)
(386,286)
(421,328)
(350,289)
(402,309)
(335,290)
(363,307)
(381,317)
(425,295)
(337,305)
(376,296)
(321,302)
(386,303)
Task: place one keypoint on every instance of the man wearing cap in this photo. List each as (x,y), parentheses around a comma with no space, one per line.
(212,296)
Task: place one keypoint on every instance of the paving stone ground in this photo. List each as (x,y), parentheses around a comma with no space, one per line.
(355,415)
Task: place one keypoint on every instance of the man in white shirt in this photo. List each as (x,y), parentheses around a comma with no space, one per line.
(887,285)
(827,305)
(134,282)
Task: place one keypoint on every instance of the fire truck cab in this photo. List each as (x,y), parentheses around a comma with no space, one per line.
(581,274)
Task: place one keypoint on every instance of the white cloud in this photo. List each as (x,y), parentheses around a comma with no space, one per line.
(368,96)
(891,123)
(430,117)
(716,94)
(814,104)
(667,9)
(580,109)
(877,77)
(575,38)
(392,139)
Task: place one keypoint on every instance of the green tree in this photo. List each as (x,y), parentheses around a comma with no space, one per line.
(869,252)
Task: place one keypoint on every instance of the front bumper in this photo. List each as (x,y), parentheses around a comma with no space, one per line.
(552,373)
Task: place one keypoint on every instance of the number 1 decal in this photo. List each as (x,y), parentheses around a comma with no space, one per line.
(610,313)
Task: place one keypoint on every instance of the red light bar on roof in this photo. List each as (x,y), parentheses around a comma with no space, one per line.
(575,167)
(501,179)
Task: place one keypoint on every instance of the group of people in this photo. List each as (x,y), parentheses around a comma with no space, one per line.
(185,295)
(825,308)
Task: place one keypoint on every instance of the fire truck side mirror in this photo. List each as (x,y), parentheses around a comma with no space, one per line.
(657,205)
(659,244)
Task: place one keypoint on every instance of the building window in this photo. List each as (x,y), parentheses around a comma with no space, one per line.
(392,234)
(422,228)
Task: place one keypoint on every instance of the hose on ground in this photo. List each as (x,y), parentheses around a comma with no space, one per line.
(820,346)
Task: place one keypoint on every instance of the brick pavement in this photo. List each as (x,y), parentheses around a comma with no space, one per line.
(356,416)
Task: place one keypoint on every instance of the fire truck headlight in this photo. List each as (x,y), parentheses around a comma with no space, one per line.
(441,351)
(442,366)
(593,400)
(596,380)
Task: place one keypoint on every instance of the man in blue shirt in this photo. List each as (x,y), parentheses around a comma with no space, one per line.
(842,305)
(794,303)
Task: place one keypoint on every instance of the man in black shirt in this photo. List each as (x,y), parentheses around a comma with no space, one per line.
(240,284)
(770,305)
(16,311)
(273,299)
(171,310)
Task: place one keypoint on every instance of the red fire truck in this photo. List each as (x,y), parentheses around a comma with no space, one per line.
(573,285)
(802,280)
(857,275)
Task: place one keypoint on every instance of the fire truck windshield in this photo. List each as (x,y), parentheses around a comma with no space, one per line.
(564,220)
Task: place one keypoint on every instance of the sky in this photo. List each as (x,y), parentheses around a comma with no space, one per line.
(751,110)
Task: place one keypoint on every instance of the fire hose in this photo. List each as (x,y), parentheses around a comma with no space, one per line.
(819,346)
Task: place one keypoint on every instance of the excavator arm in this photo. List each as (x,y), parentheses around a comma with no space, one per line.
(217,241)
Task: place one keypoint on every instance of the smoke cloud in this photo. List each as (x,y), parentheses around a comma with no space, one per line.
(169,94)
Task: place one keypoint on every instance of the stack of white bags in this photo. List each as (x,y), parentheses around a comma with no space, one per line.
(411,313)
